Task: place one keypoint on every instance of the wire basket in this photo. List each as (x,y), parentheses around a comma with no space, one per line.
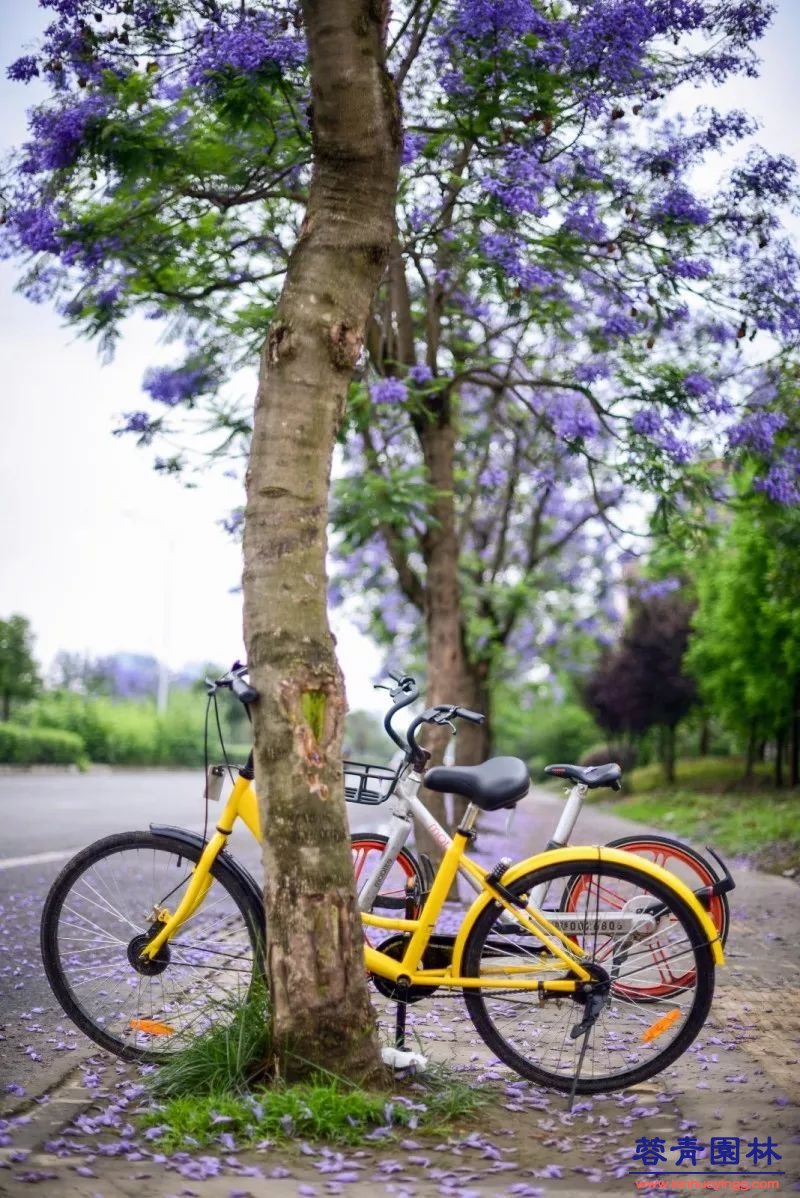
(367,784)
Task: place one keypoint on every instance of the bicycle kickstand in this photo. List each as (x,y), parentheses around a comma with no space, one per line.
(400,1016)
(401,1009)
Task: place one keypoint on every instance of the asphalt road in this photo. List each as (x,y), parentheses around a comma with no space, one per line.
(46,818)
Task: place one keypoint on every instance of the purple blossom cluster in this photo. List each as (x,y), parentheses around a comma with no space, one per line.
(781,483)
(689,268)
(172,385)
(571,416)
(59,134)
(388,391)
(582,218)
(506,251)
(420,374)
(679,205)
(757,431)
(413,146)
(247,45)
(519,181)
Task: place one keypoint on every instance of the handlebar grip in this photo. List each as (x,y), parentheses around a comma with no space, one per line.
(472,717)
(243,691)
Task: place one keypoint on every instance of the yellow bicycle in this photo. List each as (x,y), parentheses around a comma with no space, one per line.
(149,939)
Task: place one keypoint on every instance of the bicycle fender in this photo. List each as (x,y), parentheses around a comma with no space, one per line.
(223,861)
(598,853)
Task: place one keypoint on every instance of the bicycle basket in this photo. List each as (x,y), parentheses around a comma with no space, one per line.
(368,784)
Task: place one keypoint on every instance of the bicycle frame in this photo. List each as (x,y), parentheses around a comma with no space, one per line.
(242,803)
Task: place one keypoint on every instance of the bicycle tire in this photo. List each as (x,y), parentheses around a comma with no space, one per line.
(691,868)
(519,1039)
(392,896)
(666,851)
(110,890)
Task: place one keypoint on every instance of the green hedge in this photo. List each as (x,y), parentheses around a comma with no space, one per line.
(129,732)
(40,746)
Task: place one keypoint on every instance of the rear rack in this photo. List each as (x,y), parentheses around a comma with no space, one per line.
(368,784)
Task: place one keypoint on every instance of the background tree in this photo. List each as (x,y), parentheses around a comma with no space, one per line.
(642,682)
(19,674)
(745,647)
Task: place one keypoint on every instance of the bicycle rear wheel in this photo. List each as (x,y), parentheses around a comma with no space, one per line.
(687,865)
(368,848)
(102,909)
(626,1040)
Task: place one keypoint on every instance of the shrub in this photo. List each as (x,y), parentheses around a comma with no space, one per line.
(40,746)
(544,732)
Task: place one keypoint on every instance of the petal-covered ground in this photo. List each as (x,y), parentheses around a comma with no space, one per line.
(68,1115)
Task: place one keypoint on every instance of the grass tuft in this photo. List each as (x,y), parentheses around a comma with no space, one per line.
(325,1110)
(227,1060)
(214,1093)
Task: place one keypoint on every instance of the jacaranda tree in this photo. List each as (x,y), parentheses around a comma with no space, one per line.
(565,319)
(557,293)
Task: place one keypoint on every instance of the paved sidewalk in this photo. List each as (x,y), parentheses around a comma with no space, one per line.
(739,1080)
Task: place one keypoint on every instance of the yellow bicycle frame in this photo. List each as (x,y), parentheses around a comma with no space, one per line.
(243,804)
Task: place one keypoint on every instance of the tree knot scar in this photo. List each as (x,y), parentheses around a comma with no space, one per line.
(313,705)
(280,343)
(346,343)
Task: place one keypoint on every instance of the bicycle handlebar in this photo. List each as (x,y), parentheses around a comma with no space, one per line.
(234,681)
(442,713)
(407,688)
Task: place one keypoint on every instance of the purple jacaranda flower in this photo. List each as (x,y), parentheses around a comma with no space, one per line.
(647,422)
(24,69)
(413,145)
(388,391)
(420,374)
(172,385)
(757,431)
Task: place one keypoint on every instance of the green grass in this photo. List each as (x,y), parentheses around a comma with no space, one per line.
(712,804)
(701,773)
(322,1109)
(217,1085)
(226,1060)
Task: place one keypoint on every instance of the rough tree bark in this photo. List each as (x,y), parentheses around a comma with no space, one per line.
(320,1004)
(442,595)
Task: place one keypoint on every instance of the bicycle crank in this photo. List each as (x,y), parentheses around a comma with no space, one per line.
(438,955)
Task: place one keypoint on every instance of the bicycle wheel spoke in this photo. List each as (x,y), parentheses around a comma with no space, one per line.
(638,975)
(99,916)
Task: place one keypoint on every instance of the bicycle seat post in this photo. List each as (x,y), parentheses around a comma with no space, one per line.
(568,818)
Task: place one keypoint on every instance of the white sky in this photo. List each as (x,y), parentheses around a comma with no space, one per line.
(98,551)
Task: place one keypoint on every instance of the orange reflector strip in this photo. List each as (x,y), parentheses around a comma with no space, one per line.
(152,1027)
(661,1025)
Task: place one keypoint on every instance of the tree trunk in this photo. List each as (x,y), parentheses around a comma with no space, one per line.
(443,604)
(667,748)
(704,743)
(473,741)
(780,744)
(794,737)
(750,760)
(320,1004)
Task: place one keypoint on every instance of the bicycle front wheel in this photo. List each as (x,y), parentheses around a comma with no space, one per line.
(601,1037)
(103,908)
